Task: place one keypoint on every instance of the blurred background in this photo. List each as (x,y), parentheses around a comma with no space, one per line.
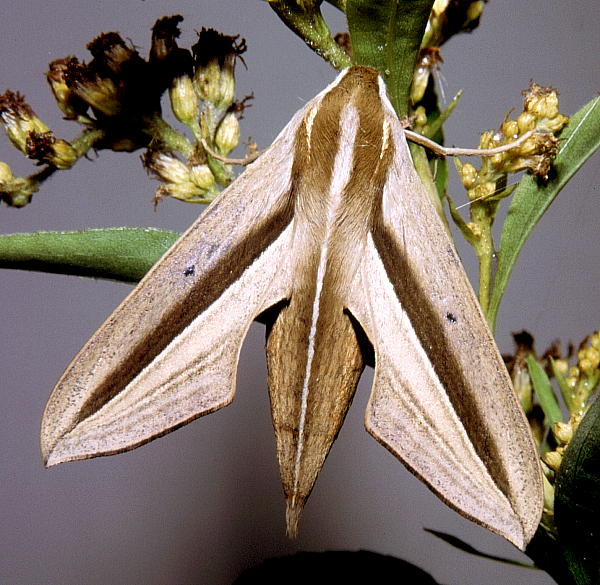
(203,503)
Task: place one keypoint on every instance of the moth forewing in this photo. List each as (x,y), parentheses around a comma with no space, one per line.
(333,232)
(182,326)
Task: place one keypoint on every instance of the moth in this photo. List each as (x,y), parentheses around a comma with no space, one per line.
(331,238)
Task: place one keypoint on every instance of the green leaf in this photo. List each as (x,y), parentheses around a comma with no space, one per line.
(124,254)
(387,35)
(547,554)
(577,503)
(544,392)
(579,140)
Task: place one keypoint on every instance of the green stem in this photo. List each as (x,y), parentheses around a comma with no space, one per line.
(424,171)
(156,127)
(82,144)
(305,19)
(484,248)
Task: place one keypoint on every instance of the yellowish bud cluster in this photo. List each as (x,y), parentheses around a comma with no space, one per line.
(542,104)
(577,382)
(563,433)
(535,154)
(583,378)
(194,183)
(117,98)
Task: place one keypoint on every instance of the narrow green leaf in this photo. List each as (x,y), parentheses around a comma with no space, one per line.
(543,390)
(579,140)
(124,254)
(577,503)
(387,35)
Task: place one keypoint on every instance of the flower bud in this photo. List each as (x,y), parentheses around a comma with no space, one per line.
(561,366)
(112,55)
(6,175)
(48,149)
(589,363)
(552,459)
(215,55)
(228,134)
(468,175)
(167,167)
(420,117)
(510,130)
(526,122)
(563,432)
(66,99)
(202,176)
(542,103)
(184,100)
(207,81)
(100,93)
(164,33)
(474,229)
(19,120)
(475,10)
(482,191)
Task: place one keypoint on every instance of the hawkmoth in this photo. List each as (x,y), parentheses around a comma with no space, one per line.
(331,238)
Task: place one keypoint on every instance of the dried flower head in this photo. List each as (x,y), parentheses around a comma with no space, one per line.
(215,55)
(19,120)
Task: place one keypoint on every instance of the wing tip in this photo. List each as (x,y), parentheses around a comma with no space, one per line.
(293,511)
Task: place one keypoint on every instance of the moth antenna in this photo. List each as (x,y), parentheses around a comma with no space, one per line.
(484,197)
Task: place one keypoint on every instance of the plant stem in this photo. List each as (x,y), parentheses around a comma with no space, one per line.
(173,140)
(305,19)
(482,217)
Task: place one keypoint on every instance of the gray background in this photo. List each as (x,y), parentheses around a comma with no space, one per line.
(200,504)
